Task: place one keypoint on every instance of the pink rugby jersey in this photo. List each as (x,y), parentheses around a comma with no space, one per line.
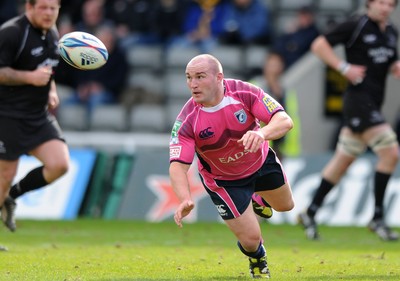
(212,132)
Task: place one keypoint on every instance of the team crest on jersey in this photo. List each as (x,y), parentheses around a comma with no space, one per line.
(36,52)
(174,133)
(270,104)
(369,38)
(241,116)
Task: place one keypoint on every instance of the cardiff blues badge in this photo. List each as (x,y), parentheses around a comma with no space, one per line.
(241,116)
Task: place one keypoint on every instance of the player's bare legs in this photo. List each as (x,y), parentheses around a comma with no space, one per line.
(8,170)
(387,156)
(381,139)
(340,162)
(247,230)
(384,144)
(55,159)
(280,199)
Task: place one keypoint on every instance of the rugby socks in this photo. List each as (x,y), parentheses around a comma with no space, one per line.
(255,255)
(33,180)
(319,197)
(260,201)
(380,184)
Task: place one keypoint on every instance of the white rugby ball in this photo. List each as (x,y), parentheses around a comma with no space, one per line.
(82,50)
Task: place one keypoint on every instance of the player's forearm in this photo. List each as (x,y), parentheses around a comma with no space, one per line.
(179,182)
(12,77)
(181,189)
(279,125)
(322,49)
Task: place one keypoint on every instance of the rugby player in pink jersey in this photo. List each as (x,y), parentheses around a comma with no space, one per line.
(220,125)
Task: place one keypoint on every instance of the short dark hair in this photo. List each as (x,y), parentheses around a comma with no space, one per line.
(33,2)
(369,1)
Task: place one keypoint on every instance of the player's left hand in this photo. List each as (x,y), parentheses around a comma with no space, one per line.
(183,210)
(396,69)
(54,101)
(252,140)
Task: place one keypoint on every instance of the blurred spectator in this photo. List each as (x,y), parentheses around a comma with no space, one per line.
(274,67)
(65,74)
(397,124)
(273,70)
(8,10)
(271,82)
(203,24)
(296,42)
(105,84)
(92,16)
(167,20)
(72,10)
(133,20)
(246,21)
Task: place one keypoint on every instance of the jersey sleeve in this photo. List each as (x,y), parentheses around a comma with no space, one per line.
(264,106)
(342,32)
(8,45)
(182,143)
(396,35)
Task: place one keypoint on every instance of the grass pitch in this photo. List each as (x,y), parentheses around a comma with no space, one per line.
(130,250)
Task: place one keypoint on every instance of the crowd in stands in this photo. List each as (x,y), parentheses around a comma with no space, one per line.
(203,24)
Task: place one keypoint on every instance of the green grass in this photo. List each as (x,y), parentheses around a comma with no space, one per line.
(129,250)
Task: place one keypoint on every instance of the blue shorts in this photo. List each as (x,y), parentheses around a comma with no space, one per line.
(233,197)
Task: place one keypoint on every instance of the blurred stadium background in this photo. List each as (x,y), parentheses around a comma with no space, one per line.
(120,159)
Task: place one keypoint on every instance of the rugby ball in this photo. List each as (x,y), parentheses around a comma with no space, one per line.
(82,50)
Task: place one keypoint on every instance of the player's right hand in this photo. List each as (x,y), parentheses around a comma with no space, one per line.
(41,76)
(183,210)
(356,74)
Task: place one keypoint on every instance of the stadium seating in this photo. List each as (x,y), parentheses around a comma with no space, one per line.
(156,85)
(73,117)
(109,118)
(147,118)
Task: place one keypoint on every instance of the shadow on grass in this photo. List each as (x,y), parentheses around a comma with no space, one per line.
(222,278)
(354,277)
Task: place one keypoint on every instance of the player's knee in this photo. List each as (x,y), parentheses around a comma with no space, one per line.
(351,146)
(384,140)
(284,206)
(249,244)
(58,168)
(7,176)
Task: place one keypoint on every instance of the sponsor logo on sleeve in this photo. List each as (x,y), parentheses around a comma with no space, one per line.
(174,133)
(175,151)
(270,104)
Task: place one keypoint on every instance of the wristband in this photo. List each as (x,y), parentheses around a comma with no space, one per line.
(343,67)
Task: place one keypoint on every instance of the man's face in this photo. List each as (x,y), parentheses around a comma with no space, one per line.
(203,82)
(380,10)
(43,14)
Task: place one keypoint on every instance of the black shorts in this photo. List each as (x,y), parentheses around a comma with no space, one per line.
(233,197)
(20,136)
(361,111)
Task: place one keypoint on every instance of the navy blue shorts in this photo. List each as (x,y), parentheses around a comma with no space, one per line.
(233,197)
